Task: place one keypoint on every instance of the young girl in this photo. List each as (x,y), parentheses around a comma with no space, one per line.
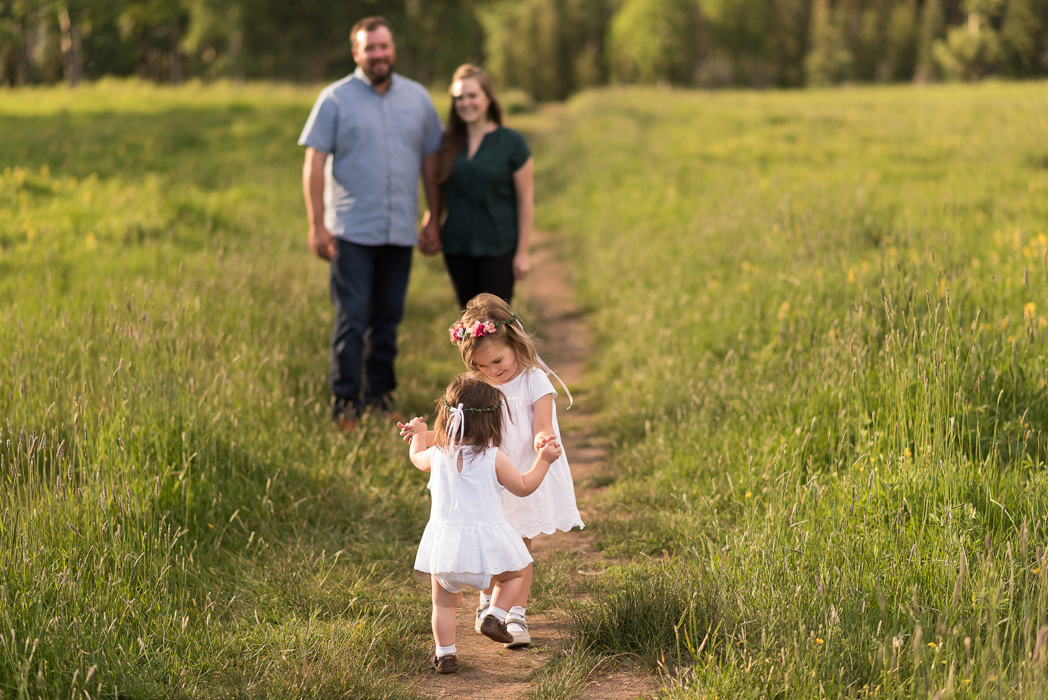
(494,345)
(467,542)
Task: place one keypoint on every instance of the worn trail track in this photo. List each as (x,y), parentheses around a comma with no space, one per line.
(489,670)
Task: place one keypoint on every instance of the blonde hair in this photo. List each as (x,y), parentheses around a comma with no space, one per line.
(482,423)
(485,308)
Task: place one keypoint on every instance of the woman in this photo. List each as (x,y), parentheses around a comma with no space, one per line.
(487,180)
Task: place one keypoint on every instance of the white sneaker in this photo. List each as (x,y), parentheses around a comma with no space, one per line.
(518,627)
(481,609)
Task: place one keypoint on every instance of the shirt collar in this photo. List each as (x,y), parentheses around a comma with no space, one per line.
(360,75)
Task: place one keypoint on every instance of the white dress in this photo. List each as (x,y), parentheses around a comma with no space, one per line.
(552,506)
(467,532)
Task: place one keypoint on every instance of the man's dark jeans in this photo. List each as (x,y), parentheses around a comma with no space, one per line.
(368,287)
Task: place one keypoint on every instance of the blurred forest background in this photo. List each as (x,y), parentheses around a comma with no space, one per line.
(548,48)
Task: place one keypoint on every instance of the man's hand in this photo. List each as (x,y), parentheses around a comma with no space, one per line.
(429,238)
(321,242)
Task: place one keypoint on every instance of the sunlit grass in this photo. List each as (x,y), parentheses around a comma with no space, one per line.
(179,518)
(821,321)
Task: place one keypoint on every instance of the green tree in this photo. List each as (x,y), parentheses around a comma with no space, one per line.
(788,40)
(1019,37)
(549,48)
(215,37)
(972,51)
(829,60)
(655,40)
(155,27)
(933,28)
(901,53)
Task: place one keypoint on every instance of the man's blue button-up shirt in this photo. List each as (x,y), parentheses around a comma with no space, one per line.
(376,143)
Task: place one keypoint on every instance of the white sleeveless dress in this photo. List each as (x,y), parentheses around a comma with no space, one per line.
(552,506)
(467,532)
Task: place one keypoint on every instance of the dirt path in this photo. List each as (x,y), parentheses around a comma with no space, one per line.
(489,670)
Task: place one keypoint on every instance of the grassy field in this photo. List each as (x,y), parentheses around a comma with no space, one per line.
(177,517)
(820,323)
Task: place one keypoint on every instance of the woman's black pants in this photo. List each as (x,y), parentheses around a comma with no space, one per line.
(472,275)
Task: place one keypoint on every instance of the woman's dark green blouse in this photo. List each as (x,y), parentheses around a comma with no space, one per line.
(481,198)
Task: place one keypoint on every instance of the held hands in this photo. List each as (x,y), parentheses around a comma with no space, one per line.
(542,438)
(408,430)
(429,237)
(548,448)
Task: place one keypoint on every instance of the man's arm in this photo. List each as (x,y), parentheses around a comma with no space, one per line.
(429,239)
(320,240)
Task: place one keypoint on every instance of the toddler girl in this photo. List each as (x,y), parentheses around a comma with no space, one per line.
(467,542)
(494,345)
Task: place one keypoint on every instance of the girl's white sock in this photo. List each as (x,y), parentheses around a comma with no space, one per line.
(516,611)
(446,651)
(499,613)
(485,600)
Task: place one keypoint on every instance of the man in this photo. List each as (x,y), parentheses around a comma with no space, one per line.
(380,130)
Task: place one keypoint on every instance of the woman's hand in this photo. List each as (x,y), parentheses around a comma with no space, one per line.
(521,265)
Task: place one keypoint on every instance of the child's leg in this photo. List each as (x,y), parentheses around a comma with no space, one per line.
(526,575)
(506,590)
(444,606)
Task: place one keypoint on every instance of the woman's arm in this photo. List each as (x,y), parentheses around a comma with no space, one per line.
(525,484)
(524,184)
(542,425)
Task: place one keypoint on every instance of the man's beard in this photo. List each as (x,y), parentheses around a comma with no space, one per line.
(379,79)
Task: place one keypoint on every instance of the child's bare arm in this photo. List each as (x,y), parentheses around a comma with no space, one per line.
(525,484)
(407,434)
(419,452)
(542,425)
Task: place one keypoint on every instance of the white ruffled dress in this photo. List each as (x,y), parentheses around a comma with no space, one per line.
(467,532)
(552,506)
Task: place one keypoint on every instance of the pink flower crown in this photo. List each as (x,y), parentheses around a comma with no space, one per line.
(460,331)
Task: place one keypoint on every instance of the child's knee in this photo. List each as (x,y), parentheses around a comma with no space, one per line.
(507,576)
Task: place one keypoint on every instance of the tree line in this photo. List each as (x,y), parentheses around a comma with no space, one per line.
(548,48)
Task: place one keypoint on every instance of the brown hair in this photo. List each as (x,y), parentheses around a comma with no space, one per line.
(368,24)
(455,136)
(488,307)
(482,426)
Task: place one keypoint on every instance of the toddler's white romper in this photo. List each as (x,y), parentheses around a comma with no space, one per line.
(467,532)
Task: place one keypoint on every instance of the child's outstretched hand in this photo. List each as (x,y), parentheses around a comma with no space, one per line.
(408,430)
(542,438)
(550,449)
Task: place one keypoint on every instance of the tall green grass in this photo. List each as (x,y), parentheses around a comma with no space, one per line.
(821,321)
(177,516)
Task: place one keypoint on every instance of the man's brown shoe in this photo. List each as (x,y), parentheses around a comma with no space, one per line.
(494,628)
(445,664)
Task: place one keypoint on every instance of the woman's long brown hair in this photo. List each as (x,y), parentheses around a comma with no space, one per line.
(455,136)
